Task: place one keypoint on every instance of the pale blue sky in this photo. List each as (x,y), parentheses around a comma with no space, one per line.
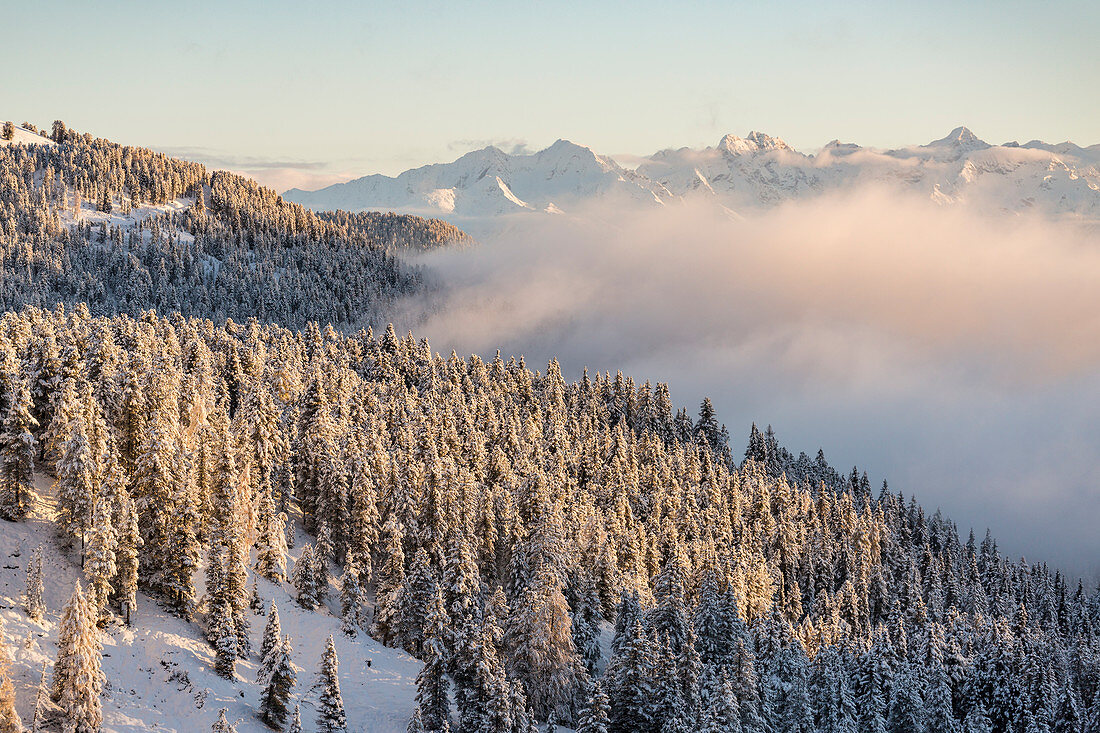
(348,88)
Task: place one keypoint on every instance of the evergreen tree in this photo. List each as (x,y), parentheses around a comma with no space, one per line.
(1067,718)
(128,545)
(10,722)
(271,541)
(33,603)
(631,682)
(386,625)
(278,678)
(17,445)
(906,707)
(351,600)
(77,675)
(8,131)
(595,715)
(432,702)
(100,566)
(222,724)
(296,720)
(272,634)
(330,705)
(303,578)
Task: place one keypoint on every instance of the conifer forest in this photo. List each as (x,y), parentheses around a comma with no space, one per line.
(202,398)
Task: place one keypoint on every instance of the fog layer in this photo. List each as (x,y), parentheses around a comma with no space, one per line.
(954,355)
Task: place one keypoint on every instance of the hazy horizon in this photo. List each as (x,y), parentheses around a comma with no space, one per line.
(303,99)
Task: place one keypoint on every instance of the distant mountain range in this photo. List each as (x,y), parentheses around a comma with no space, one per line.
(740,174)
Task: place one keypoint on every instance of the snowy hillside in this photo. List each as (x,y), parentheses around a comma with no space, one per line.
(160,671)
(23,136)
(741,174)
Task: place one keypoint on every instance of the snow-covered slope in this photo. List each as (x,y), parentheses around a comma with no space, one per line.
(740,174)
(490,182)
(26,137)
(160,670)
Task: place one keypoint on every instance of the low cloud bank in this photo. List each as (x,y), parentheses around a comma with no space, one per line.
(955,355)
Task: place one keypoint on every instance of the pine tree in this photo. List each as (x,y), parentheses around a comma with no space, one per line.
(977,721)
(78,678)
(32,596)
(330,705)
(432,702)
(386,624)
(128,544)
(1067,718)
(10,722)
(221,629)
(595,715)
(77,465)
(272,634)
(721,713)
(222,724)
(296,720)
(100,567)
(278,678)
(303,578)
(420,589)
(351,601)
(17,445)
(271,541)
(906,706)
(631,682)
(8,131)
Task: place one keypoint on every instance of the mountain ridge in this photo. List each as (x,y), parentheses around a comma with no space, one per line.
(740,173)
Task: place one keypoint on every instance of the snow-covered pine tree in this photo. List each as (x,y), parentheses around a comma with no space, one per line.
(278,678)
(906,706)
(255,601)
(10,722)
(630,679)
(99,564)
(594,716)
(166,510)
(221,630)
(432,701)
(222,724)
(303,578)
(33,602)
(351,599)
(978,722)
(273,632)
(330,704)
(721,713)
(78,677)
(78,469)
(271,546)
(416,597)
(128,544)
(296,720)
(17,445)
(386,624)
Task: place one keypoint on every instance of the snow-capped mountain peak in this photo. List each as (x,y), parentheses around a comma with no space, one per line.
(756,142)
(960,138)
(740,174)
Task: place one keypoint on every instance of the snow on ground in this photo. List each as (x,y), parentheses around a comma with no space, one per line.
(160,671)
(26,137)
(90,214)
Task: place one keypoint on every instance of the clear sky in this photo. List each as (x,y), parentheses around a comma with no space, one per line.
(300,92)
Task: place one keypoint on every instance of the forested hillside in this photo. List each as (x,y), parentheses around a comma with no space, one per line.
(497,516)
(491,520)
(125,229)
